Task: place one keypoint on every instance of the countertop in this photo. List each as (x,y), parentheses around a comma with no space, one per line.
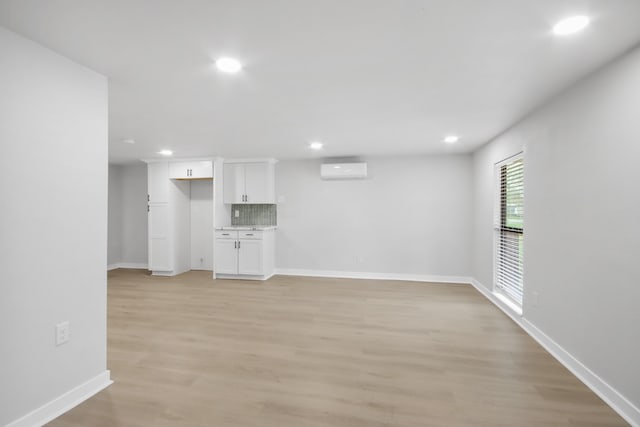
(248,227)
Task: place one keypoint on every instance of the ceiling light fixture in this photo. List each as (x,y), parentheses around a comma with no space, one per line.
(316,145)
(228,65)
(571,25)
(452,139)
(166,152)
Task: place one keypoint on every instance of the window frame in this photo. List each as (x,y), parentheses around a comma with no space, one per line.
(500,227)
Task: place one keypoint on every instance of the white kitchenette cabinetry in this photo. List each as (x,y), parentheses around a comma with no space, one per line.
(249,181)
(245,254)
(197,169)
(170,220)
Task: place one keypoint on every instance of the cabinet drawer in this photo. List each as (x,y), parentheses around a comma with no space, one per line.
(250,234)
(226,234)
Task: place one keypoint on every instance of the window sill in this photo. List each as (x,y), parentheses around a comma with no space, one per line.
(507,302)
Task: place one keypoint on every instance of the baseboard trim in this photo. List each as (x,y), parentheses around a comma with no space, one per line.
(606,392)
(58,406)
(373,276)
(133,265)
(244,277)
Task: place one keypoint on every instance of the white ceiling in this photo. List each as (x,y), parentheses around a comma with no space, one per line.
(367,77)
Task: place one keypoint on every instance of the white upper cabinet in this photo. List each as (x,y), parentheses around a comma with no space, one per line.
(250,182)
(191,170)
(158,182)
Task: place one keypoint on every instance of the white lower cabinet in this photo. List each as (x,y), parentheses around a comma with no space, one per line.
(244,254)
(226,256)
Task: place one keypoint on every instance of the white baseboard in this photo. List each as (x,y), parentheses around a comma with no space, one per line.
(606,392)
(373,276)
(65,402)
(134,265)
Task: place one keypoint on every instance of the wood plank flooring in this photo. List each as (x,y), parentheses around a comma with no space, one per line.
(190,351)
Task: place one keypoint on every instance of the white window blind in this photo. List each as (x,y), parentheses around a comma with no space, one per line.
(509,229)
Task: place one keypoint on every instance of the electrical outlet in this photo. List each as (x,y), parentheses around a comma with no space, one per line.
(62,332)
(237,213)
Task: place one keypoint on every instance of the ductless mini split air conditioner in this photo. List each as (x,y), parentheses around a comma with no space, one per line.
(343,171)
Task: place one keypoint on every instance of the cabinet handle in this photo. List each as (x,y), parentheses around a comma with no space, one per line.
(238,244)
(235,244)
(148,198)
(249,234)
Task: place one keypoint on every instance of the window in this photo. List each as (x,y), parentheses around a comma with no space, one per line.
(509,229)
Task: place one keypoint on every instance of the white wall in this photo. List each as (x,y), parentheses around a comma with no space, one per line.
(53,223)
(582,238)
(114,240)
(134,214)
(410,217)
(201,225)
(127,240)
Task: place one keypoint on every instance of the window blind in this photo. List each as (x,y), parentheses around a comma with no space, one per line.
(509,229)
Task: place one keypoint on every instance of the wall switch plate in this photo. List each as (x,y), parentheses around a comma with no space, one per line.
(62,332)
(237,213)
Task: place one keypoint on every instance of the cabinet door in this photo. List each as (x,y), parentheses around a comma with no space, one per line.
(233,189)
(191,170)
(259,181)
(179,170)
(226,256)
(159,247)
(158,182)
(250,257)
(201,170)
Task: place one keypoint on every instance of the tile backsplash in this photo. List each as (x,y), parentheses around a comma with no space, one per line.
(254,214)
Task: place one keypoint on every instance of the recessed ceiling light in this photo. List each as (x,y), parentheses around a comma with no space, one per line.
(228,65)
(452,139)
(316,145)
(571,25)
(166,152)
(128,140)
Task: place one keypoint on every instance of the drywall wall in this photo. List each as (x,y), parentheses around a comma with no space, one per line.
(134,215)
(411,216)
(127,240)
(53,250)
(582,239)
(114,240)
(201,225)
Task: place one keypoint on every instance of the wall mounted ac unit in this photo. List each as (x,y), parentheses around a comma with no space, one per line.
(343,171)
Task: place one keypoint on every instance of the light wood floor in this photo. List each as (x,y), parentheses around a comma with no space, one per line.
(189,351)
